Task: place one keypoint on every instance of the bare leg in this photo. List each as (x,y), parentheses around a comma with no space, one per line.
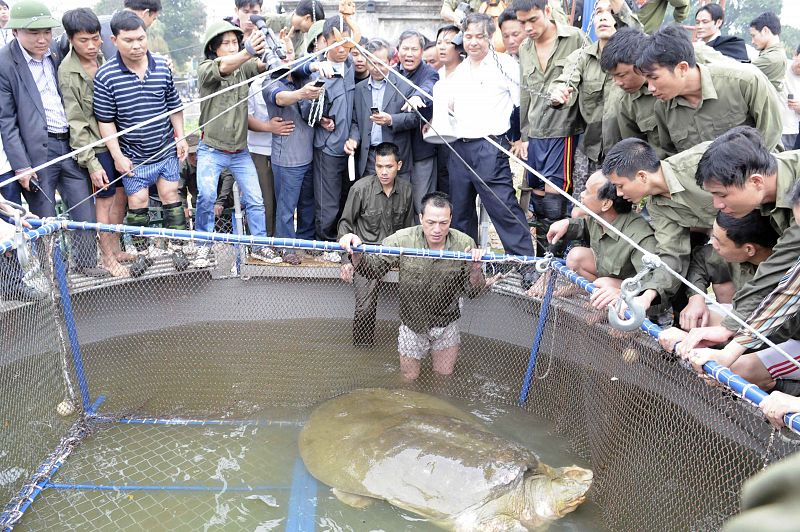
(581,261)
(751,368)
(444,361)
(117,216)
(409,367)
(107,210)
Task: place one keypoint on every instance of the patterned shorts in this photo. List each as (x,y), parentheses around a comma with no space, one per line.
(415,345)
(147,174)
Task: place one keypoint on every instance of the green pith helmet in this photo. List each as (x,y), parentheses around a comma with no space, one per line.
(218,28)
(313,32)
(31,15)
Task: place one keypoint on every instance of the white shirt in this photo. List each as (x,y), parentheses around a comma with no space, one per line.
(483,97)
(259,142)
(6,36)
(44,74)
(791,85)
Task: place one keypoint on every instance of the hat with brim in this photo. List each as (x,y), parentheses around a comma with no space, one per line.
(31,15)
(313,32)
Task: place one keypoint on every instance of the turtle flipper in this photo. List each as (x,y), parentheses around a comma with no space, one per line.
(352,499)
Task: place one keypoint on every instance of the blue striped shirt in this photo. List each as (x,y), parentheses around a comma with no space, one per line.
(124,99)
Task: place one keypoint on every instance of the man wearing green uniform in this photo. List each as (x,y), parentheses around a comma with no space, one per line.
(584,82)
(728,262)
(697,103)
(548,135)
(677,204)
(765,32)
(742,175)
(430,289)
(377,206)
(609,260)
(652,12)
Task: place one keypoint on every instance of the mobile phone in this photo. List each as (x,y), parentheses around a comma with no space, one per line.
(790,96)
(319,82)
(374,110)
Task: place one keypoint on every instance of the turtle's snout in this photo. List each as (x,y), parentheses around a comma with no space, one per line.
(570,485)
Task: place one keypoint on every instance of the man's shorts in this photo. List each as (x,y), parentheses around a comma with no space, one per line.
(147,174)
(415,345)
(777,365)
(554,159)
(107,162)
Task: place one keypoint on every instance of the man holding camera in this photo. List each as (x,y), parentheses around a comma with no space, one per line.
(224,142)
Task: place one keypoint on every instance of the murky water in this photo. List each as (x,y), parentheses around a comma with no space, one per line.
(249,476)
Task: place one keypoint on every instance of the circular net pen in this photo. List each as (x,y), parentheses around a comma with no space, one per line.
(190,389)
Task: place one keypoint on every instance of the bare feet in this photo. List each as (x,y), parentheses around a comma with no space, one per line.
(116,269)
(124,257)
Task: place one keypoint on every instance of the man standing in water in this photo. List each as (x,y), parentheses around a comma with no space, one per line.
(430,289)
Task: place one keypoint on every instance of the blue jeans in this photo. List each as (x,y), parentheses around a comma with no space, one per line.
(210,164)
(294,189)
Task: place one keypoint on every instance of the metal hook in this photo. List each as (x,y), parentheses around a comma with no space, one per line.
(629,289)
(23,254)
(544,264)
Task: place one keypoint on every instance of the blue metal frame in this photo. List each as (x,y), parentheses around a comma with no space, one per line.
(72,331)
(544,312)
(155,487)
(302,500)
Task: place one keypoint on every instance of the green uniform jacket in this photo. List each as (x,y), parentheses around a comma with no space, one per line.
(652,13)
(591,86)
(785,252)
(77,90)
(557,10)
(772,62)
(429,288)
(707,268)
(631,115)
(229,131)
(373,215)
(672,218)
(732,95)
(537,119)
(614,256)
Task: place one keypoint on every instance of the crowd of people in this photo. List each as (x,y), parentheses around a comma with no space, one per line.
(688,138)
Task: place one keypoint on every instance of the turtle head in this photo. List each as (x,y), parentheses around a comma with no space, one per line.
(551,493)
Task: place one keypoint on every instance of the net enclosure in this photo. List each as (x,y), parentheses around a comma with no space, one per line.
(177,397)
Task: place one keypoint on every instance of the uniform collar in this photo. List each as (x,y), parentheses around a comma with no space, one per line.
(72,65)
(377,188)
(707,89)
(670,178)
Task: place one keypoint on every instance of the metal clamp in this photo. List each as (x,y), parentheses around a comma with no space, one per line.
(628,291)
(544,264)
(23,253)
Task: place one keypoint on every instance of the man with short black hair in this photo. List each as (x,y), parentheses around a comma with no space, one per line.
(608,260)
(548,135)
(131,88)
(676,206)
(6,35)
(697,103)
(629,108)
(741,175)
(35,127)
(708,24)
(424,76)
(377,115)
(430,289)
(484,91)
(76,75)
(765,33)
(377,206)
(512,31)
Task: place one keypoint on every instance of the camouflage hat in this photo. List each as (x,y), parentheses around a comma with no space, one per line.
(193,140)
(31,15)
(313,32)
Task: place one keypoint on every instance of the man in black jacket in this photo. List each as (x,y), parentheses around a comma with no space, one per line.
(708,23)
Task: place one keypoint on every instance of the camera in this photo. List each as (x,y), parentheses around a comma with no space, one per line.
(462,10)
(275,51)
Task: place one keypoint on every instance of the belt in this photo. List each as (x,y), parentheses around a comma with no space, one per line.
(58,136)
(496,138)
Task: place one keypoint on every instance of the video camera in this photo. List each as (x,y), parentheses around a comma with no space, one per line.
(462,10)
(275,51)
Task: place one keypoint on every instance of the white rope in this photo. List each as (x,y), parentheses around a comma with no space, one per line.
(604,223)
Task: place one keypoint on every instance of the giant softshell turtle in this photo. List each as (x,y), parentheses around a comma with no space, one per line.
(426,456)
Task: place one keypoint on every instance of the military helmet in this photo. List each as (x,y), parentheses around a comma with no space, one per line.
(218,28)
(31,15)
(313,32)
